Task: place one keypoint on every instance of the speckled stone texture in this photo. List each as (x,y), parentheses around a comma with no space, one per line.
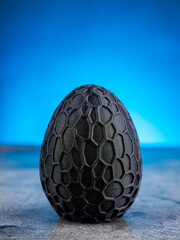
(25,213)
(90,165)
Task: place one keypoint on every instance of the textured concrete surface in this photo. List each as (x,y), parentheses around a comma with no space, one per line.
(26,214)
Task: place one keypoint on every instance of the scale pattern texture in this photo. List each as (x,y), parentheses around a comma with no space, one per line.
(90,163)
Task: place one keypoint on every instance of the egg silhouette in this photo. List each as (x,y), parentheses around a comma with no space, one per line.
(90,162)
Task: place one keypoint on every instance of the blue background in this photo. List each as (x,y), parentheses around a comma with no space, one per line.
(48,48)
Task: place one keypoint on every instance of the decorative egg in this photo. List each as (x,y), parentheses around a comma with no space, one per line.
(90,163)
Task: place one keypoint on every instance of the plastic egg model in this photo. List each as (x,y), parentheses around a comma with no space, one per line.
(90,162)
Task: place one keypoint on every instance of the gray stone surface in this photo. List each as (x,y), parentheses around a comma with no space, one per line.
(26,214)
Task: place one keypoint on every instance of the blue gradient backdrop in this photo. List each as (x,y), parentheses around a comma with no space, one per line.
(48,48)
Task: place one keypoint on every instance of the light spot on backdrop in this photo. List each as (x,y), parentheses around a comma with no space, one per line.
(147,131)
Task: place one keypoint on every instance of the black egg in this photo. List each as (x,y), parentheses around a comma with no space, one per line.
(90,163)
